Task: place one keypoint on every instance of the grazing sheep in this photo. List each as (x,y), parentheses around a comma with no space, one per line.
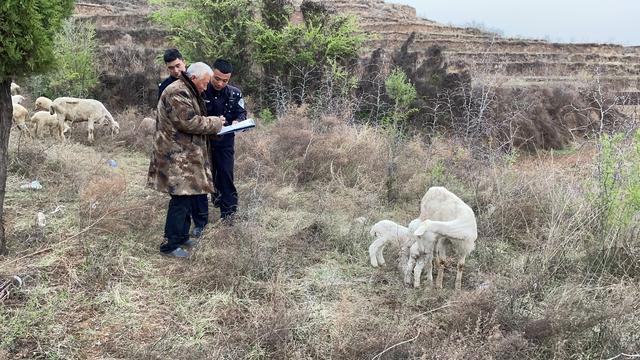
(42,104)
(15,88)
(17,99)
(20,114)
(446,220)
(76,110)
(385,231)
(43,119)
(147,126)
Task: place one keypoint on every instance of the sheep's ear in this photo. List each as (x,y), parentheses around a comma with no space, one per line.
(420,230)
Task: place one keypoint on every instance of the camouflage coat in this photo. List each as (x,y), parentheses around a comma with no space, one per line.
(180,163)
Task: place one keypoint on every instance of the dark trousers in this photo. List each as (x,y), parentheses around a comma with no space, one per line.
(226,196)
(200,210)
(176,226)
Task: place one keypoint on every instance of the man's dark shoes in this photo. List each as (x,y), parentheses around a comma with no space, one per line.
(228,220)
(197,232)
(190,243)
(177,253)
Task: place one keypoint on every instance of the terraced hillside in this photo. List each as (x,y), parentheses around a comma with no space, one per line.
(517,61)
(130,43)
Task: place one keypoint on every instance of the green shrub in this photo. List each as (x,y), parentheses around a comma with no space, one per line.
(75,72)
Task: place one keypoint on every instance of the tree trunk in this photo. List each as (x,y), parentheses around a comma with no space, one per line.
(6,115)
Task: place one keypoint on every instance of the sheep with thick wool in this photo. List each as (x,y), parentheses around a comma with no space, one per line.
(15,88)
(386,231)
(17,99)
(77,110)
(20,114)
(42,120)
(446,221)
(42,104)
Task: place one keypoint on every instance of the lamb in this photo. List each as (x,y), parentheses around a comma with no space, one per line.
(17,99)
(43,119)
(385,231)
(446,220)
(15,88)
(42,104)
(90,110)
(20,114)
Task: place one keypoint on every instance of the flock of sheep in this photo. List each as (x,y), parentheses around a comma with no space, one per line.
(445,221)
(57,115)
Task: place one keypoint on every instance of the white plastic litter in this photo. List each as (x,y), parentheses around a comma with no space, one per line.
(41,219)
(35,184)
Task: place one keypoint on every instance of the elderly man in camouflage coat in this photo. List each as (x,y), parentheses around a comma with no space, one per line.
(180,164)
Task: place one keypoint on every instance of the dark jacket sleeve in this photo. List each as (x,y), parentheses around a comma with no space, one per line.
(238,111)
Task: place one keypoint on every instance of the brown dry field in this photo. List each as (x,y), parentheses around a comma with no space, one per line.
(291,279)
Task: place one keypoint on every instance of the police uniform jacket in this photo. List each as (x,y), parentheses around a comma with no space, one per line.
(229,103)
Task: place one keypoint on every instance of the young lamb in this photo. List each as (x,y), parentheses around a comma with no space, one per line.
(17,99)
(42,104)
(15,88)
(89,110)
(385,231)
(446,220)
(20,114)
(43,119)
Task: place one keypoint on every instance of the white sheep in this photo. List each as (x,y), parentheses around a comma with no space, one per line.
(20,114)
(15,88)
(385,231)
(42,104)
(446,220)
(43,119)
(17,99)
(89,110)
(147,126)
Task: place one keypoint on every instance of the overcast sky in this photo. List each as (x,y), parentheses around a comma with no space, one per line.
(613,21)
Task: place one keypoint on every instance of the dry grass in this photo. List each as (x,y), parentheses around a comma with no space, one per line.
(291,279)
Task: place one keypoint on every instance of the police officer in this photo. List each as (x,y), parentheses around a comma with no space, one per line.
(222,99)
(175,66)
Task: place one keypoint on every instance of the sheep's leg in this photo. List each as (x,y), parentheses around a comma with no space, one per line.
(459,273)
(375,252)
(429,263)
(379,256)
(38,130)
(408,270)
(403,258)
(417,270)
(60,127)
(440,258)
(90,123)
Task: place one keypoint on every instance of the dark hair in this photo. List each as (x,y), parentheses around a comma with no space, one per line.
(223,66)
(171,54)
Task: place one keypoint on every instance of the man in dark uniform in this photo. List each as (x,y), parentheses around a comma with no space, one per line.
(222,99)
(175,66)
